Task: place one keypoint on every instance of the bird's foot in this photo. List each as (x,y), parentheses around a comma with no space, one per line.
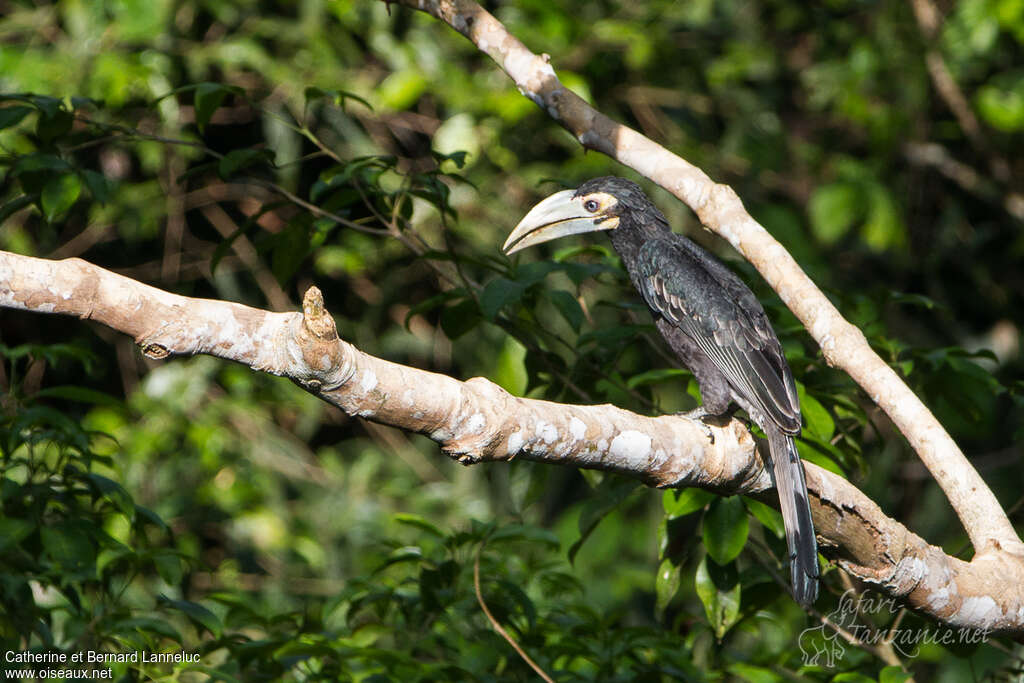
(703,417)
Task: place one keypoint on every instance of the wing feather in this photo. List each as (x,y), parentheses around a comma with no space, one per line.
(716,309)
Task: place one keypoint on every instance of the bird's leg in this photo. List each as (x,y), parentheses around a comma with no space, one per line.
(701,415)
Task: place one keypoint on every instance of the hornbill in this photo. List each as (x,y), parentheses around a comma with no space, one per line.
(712,321)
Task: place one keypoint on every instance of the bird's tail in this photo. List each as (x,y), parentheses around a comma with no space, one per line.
(788,473)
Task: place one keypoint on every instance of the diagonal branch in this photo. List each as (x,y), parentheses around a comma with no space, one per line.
(720,209)
(477,421)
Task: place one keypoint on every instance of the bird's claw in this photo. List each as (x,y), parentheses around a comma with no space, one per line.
(700,416)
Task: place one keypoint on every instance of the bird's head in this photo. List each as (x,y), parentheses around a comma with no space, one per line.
(599,204)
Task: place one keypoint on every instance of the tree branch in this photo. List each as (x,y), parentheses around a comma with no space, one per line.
(477,421)
(720,209)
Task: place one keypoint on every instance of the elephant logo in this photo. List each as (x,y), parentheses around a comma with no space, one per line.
(822,645)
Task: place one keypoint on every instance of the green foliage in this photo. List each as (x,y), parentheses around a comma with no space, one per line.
(725,529)
(74,539)
(244,150)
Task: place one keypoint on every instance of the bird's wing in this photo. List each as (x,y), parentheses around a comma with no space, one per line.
(692,290)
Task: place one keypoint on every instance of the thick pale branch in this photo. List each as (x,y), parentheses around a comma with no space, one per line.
(720,209)
(477,421)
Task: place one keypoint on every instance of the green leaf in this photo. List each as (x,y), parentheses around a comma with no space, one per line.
(458,158)
(433,302)
(614,334)
(12,116)
(238,159)
(366,635)
(754,674)
(769,517)
(168,566)
(198,614)
(418,522)
(39,162)
(459,319)
(725,529)
(53,124)
(810,452)
(912,299)
(59,194)
(112,491)
(147,625)
(208,97)
(819,422)
(606,497)
(510,367)
(883,227)
(568,306)
(68,547)
(666,584)
(655,376)
(80,394)
(893,674)
(401,89)
(523,532)
(682,502)
(408,553)
(99,187)
(144,515)
(834,209)
(718,588)
(1001,103)
(338,97)
(49,106)
(498,293)
(291,246)
(12,531)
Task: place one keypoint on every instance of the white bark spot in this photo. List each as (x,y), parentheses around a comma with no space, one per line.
(938,599)
(577,428)
(547,431)
(602,445)
(475,423)
(515,442)
(518,64)
(826,492)
(407,398)
(369,381)
(631,445)
(910,569)
(979,611)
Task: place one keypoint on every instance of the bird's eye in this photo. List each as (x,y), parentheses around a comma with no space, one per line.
(591,205)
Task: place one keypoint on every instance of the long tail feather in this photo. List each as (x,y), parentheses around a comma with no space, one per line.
(788,474)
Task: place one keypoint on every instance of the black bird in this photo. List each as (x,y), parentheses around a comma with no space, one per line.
(712,321)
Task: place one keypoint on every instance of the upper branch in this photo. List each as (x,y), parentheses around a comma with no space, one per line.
(720,209)
(478,421)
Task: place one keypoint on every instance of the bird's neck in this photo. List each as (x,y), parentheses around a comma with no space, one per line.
(627,243)
(630,236)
